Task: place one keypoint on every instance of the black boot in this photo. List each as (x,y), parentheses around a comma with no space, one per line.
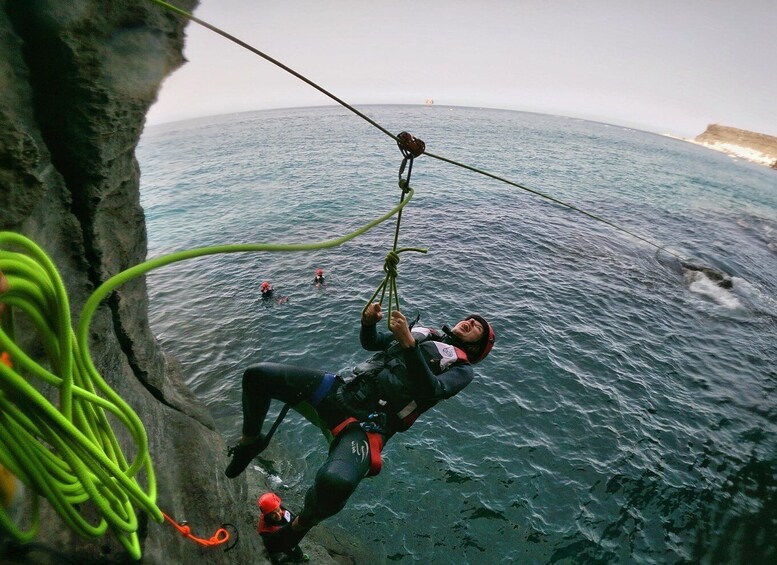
(242,454)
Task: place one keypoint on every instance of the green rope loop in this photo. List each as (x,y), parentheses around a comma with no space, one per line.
(69,454)
(390,280)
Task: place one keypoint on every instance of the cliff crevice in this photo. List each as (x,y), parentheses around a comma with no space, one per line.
(78,79)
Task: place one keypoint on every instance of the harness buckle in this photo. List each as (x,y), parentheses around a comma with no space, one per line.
(376,423)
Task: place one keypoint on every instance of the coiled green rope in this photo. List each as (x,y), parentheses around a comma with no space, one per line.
(69,454)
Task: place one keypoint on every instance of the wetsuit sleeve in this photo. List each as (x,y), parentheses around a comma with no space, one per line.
(372,340)
(272,541)
(437,387)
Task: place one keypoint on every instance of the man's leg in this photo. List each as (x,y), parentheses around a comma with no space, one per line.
(336,480)
(261,384)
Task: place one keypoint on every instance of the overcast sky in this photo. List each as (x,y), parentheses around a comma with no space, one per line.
(667,66)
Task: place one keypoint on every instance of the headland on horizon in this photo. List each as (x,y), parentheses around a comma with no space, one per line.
(739,143)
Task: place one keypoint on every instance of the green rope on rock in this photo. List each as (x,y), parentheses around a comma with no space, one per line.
(69,454)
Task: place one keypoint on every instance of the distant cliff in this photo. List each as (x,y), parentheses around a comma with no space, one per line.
(749,145)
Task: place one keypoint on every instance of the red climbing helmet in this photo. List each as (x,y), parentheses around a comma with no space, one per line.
(486,342)
(319,272)
(265,284)
(268,502)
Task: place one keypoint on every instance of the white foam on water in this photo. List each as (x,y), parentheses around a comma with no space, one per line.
(701,284)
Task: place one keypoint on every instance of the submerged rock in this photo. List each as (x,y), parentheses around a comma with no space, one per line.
(720,278)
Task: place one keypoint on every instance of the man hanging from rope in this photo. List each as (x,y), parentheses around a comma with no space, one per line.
(363,407)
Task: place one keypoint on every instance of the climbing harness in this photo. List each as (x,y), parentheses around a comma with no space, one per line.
(374,438)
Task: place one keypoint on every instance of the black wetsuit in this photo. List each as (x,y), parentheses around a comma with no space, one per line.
(397,384)
(269,531)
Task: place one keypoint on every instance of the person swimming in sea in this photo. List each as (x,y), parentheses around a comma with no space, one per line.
(267,293)
(319,280)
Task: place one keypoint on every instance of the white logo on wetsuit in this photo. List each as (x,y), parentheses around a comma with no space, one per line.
(360,449)
(439,351)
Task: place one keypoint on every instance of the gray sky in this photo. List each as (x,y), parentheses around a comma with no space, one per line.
(668,66)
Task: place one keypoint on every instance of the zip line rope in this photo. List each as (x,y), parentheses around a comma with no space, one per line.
(369,120)
(70,454)
(557,201)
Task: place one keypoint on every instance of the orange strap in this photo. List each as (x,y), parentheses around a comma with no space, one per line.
(5,359)
(221,535)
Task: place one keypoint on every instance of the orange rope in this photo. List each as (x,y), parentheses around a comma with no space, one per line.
(221,535)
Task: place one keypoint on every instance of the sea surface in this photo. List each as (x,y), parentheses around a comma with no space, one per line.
(628,411)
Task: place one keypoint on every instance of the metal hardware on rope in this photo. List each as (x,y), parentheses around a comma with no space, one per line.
(404,183)
(410,146)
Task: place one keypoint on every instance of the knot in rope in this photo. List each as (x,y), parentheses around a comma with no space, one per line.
(390,265)
(390,281)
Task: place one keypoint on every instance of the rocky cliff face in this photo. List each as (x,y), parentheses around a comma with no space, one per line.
(756,147)
(77,79)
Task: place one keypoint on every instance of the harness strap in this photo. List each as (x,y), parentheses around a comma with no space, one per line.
(323,388)
(375,441)
(342,425)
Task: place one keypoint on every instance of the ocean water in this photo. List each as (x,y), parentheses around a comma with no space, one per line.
(628,411)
